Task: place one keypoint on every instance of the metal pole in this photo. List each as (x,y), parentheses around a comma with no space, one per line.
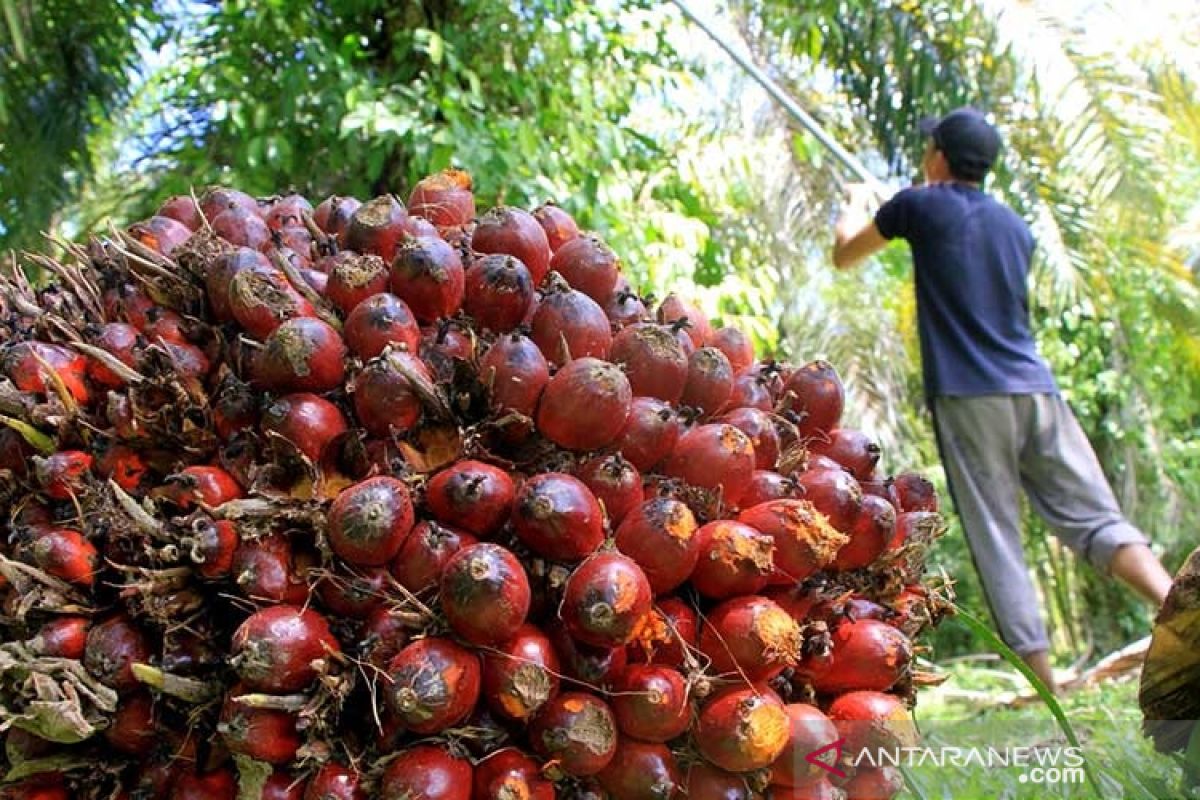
(847,159)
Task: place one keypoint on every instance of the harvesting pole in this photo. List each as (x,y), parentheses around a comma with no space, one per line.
(806,120)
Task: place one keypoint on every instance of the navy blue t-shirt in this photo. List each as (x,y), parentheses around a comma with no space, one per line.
(971,258)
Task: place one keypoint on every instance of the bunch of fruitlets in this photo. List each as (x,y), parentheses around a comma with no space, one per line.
(367,501)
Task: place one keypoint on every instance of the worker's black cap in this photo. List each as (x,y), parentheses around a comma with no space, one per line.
(969,141)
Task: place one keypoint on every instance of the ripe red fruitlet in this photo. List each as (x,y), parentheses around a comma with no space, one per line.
(511,231)
(261,299)
(375,227)
(123,342)
(559,226)
(870,535)
(709,382)
(606,601)
(816,789)
(742,729)
(874,783)
(334,212)
(834,493)
(521,676)
(576,730)
(809,731)
(568,324)
(434,685)
(734,559)
(752,636)
(383,636)
(762,432)
(218,281)
(379,321)
(65,554)
(650,702)
(161,234)
(217,199)
(264,734)
(653,360)
(424,554)
(426,772)
(674,308)
(31,364)
(181,208)
(213,546)
(589,666)
(471,495)
(283,786)
(301,355)
(853,449)
(750,391)
(624,307)
(589,265)
(428,274)
(660,535)
(668,637)
(499,292)
(132,730)
(641,771)
(706,782)
(334,782)
(505,761)
(445,343)
(369,521)
(112,648)
(288,211)
(445,199)
(243,228)
(307,421)
(217,785)
(387,393)
(354,278)
(355,594)
(766,485)
(62,637)
(124,465)
(872,720)
(909,523)
(816,395)
(274,650)
(912,492)
(736,346)
(558,517)
(485,594)
(650,433)
(718,457)
(207,485)
(269,569)
(804,539)
(615,482)
(517,373)
(63,474)
(585,405)
(867,655)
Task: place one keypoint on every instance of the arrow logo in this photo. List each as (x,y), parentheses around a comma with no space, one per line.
(829,765)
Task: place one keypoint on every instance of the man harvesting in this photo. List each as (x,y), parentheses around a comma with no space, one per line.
(1000,422)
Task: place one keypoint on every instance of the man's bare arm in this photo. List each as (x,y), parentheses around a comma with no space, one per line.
(855,236)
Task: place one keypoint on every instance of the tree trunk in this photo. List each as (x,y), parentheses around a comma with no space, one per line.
(1170,688)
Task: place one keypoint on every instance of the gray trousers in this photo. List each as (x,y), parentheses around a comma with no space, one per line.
(993,446)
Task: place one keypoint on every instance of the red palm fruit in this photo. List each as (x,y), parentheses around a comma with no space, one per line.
(471,495)
(852,449)
(283,786)
(508,774)
(307,421)
(380,321)
(591,667)
(426,772)
(668,637)
(354,278)
(615,482)
(261,299)
(912,492)
(217,199)
(428,274)
(809,731)
(242,228)
(164,325)
(516,372)
(334,782)
(443,344)
(65,554)
(499,292)
(213,546)
(334,212)
(834,493)
(219,784)
(804,539)
(520,676)
(424,554)
(869,537)
(62,637)
(514,232)
(872,720)
(264,734)
(623,307)
(751,636)
(674,308)
(161,234)
(585,405)
(124,465)
(62,474)
(762,432)
(736,346)
(444,199)
(434,685)
(718,457)
(485,594)
(650,702)
(750,391)
(874,783)
(301,355)
(606,601)
(383,635)
(188,361)
(369,521)
(275,649)
(679,328)
(909,523)
(706,782)
(133,727)
(766,485)
(709,382)
(267,569)
(641,771)
(123,342)
(355,593)
(126,302)
(816,789)
(577,731)
(868,655)
(15,452)
(734,559)
(558,517)
(375,227)
(112,648)
(650,433)
(387,393)
(653,360)
(742,729)
(218,281)
(31,364)
(568,324)
(202,484)
(559,226)
(660,535)
(815,393)
(182,208)
(287,212)
(589,265)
